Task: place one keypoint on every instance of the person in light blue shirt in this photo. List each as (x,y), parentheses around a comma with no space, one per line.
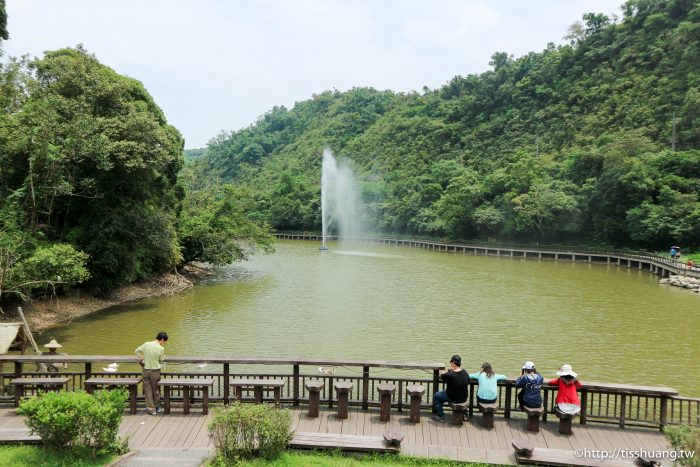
(488,384)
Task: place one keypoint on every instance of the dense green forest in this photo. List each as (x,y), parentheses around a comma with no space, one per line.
(596,141)
(90,185)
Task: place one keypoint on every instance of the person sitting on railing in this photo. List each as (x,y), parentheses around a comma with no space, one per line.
(488,384)
(457,390)
(567,401)
(531,383)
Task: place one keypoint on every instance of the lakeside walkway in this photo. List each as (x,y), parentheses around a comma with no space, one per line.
(654,263)
(179,440)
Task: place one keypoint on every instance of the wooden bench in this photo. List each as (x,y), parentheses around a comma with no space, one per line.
(533,417)
(488,411)
(416,392)
(386,391)
(258,385)
(18,436)
(342,389)
(314,386)
(527,453)
(564,421)
(458,411)
(110,383)
(356,443)
(48,384)
(188,385)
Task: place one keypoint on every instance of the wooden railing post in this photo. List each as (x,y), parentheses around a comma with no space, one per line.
(623,408)
(472,390)
(330,392)
(18,369)
(584,406)
(664,412)
(88,370)
(295,396)
(509,394)
(545,404)
(365,387)
(227,387)
(436,380)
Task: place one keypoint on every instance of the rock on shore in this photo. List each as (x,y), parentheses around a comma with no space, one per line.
(690,283)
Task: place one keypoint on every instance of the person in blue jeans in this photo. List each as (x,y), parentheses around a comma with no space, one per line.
(531,383)
(488,384)
(456,391)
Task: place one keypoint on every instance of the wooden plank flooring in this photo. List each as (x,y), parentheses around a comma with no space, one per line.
(470,442)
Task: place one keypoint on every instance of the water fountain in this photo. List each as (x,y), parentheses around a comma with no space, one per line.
(340,200)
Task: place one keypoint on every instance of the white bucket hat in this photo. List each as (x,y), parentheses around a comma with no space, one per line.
(53,345)
(528,365)
(566,370)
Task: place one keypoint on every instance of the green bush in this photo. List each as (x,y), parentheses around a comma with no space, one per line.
(67,420)
(241,431)
(685,438)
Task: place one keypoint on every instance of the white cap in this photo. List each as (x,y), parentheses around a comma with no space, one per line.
(528,365)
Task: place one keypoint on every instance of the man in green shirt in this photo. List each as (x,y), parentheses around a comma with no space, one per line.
(152,354)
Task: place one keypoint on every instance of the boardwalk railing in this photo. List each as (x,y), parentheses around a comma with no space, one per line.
(621,404)
(642,260)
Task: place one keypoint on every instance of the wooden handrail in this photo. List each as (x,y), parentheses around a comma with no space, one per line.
(590,385)
(222,359)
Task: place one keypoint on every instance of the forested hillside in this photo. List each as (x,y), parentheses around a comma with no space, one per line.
(595,141)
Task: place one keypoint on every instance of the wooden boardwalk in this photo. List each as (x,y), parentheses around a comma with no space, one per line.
(426,439)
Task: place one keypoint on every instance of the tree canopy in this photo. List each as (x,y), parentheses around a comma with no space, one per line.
(89,185)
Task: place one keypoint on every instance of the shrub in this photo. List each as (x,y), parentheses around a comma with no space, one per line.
(77,420)
(240,431)
(685,438)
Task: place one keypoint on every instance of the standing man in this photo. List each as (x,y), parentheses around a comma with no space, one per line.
(152,355)
(457,381)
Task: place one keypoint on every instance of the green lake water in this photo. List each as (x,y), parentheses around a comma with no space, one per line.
(395,303)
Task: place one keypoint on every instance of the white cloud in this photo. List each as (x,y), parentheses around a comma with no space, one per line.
(216,64)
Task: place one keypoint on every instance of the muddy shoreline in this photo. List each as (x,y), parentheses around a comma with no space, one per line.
(44,314)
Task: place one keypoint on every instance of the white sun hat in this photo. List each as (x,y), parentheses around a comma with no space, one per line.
(529,365)
(566,370)
(53,345)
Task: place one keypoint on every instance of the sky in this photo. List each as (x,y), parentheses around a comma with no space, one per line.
(217,65)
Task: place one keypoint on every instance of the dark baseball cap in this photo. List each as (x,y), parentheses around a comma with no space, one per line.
(457,360)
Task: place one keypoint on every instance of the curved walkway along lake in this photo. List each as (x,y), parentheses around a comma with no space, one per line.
(612,324)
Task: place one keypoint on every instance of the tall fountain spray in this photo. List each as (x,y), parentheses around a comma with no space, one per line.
(340,200)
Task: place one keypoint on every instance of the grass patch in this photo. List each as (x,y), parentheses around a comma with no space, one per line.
(337,459)
(36,456)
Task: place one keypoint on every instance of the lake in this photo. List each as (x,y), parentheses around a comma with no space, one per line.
(396,303)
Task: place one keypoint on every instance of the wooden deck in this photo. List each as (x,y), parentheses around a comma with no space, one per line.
(426,439)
